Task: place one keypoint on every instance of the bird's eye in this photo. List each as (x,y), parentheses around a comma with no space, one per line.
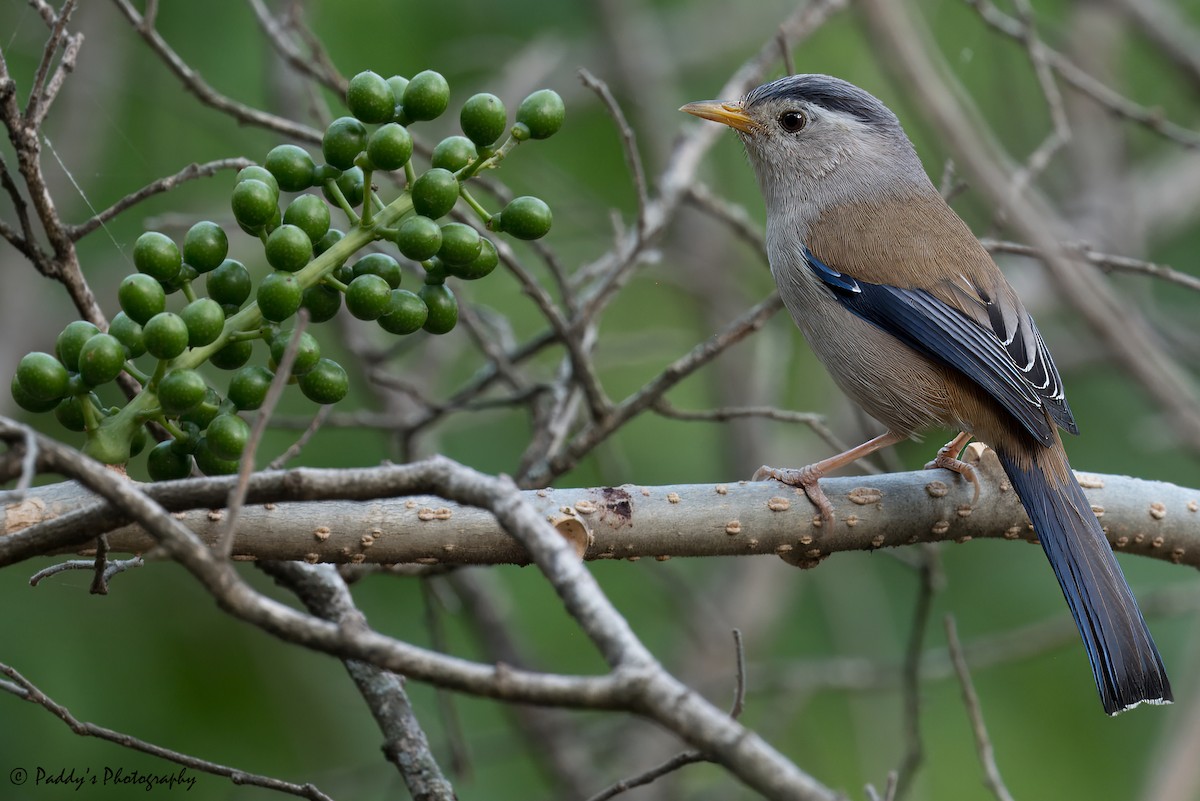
(792,121)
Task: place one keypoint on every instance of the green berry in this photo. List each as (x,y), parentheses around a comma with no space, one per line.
(542,113)
(254,204)
(42,376)
(310,214)
(27,401)
(168,462)
(101,359)
(227,435)
(368,296)
(390,147)
(69,412)
(443,308)
(233,355)
(460,244)
(344,139)
(482,265)
(180,390)
(210,464)
(398,83)
(69,342)
(434,193)
(331,238)
(526,218)
(141,297)
(379,264)
(326,383)
(322,302)
(292,167)
(351,184)
(187,273)
(426,96)
(369,97)
(279,296)
(229,284)
(419,238)
(203,412)
(289,248)
(188,439)
(257,173)
(308,352)
(205,320)
(406,313)
(248,387)
(453,153)
(129,334)
(205,246)
(483,119)
(157,256)
(166,335)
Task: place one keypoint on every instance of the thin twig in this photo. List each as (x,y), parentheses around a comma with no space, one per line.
(296,447)
(283,372)
(188,173)
(983,744)
(195,83)
(1108,262)
(1151,118)
(911,676)
(628,143)
(26,689)
(111,568)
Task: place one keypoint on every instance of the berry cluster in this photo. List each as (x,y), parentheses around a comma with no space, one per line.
(312,266)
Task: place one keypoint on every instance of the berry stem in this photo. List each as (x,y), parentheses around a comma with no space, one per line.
(188,292)
(484,215)
(368,199)
(335,190)
(132,369)
(336,284)
(109,443)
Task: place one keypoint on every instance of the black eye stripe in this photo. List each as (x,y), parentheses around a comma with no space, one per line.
(792,121)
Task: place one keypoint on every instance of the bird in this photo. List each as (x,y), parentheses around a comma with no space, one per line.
(915,323)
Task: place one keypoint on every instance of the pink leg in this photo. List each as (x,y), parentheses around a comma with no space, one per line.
(947,457)
(807,478)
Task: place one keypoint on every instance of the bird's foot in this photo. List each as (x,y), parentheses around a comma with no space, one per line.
(947,457)
(806,478)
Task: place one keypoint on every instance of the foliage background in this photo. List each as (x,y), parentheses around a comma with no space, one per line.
(156,659)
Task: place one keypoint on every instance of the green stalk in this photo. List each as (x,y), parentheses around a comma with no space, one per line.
(110,441)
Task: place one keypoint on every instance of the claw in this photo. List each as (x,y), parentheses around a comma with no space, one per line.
(947,457)
(806,478)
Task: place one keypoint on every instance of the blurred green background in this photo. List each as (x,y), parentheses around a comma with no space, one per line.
(156,658)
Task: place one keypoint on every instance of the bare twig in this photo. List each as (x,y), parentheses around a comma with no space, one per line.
(196,84)
(325,594)
(628,142)
(911,681)
(283,372)
(188,173)
(983,744)
(296,447)
(26,689)
(1098,91)
(1108,262)
(111,568)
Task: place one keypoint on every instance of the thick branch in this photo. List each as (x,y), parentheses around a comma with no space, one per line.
(368,516)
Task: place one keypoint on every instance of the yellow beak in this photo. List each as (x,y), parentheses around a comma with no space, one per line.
(727,113)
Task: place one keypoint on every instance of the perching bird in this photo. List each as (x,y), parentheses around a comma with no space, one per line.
(916,324)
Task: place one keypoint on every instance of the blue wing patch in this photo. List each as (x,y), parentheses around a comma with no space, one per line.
(941,332)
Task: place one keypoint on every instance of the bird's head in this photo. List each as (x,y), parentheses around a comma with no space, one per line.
(818,141)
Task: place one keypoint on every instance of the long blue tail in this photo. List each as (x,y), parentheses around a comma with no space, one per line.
(1125,662)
